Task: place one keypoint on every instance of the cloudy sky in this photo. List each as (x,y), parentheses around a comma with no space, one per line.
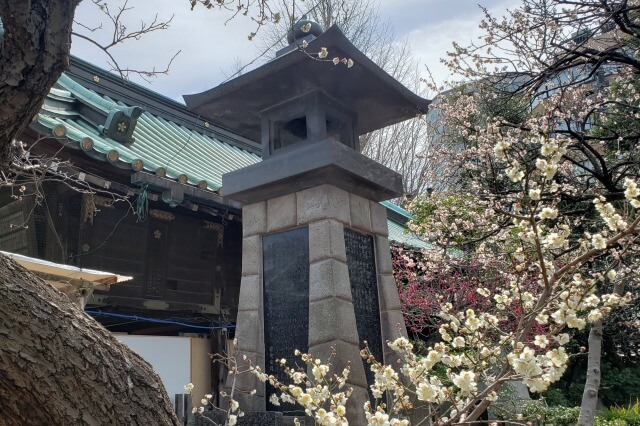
(212,48)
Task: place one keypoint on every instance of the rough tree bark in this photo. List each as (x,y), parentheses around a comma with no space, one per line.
(34,50)
(60,367)
(592,383)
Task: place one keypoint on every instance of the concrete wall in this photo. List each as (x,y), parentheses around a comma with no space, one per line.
(177,360)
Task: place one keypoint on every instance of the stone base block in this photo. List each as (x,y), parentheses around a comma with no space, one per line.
(383,255)
(281,213)
(326,241)
(332,319)
(252,255)
(329,278)
(421,415)
(379,223)
(303,421)
(245,383)
(360,214)
(346,354)
(254,219)
(250,418)
(393,326)
(323,202)
(388,291)
(249,332)
(250,293)
(355,410)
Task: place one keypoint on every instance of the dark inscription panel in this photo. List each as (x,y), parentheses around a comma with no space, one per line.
(286,300)
(364,290)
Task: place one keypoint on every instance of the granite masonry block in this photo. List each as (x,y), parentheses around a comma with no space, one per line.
(355,412)
(326,240)
(347,354)
(254,219)
(250,293)
(392,324)
(323,202)
(332,319)
(301,421)
(246,382)
(245,359)
(256,402)
(281,212)
(392,358)
(383,255)
(388,291)
(379,219)
(250,331)
(251,418)
(252,255)
(329,278)
(360,214)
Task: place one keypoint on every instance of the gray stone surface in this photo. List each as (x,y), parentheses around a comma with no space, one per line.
(332,319)
(254,219)
(378,218)
(392,323)
(251,418)
(355,412)
(360,214)
(261,418)
(392,327)
(329,278)
(303,421)
(281,213)
(250,293)
(323,202)
(250,331)
(512,398)
(383,255)
(245,382)
(421,415)
(252,255)
(346,354)
(323,162)
(326,241)
(388,293)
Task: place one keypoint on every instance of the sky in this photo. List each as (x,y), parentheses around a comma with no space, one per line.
(211,46)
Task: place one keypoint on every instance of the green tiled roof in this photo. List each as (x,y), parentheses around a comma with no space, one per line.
(159,143)
(399,234)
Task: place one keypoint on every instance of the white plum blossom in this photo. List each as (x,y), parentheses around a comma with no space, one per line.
(534,194)
(541,341)
(515,173)
(598,242)
(548,213)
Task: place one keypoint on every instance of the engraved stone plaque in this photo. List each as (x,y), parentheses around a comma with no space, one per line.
(286,300)
(364,290)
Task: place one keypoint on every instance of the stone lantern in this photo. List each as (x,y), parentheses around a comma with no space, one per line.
(316,264)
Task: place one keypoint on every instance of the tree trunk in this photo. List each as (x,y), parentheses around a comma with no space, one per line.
(592,384)
(589,402)
(58,366)
(34,50)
